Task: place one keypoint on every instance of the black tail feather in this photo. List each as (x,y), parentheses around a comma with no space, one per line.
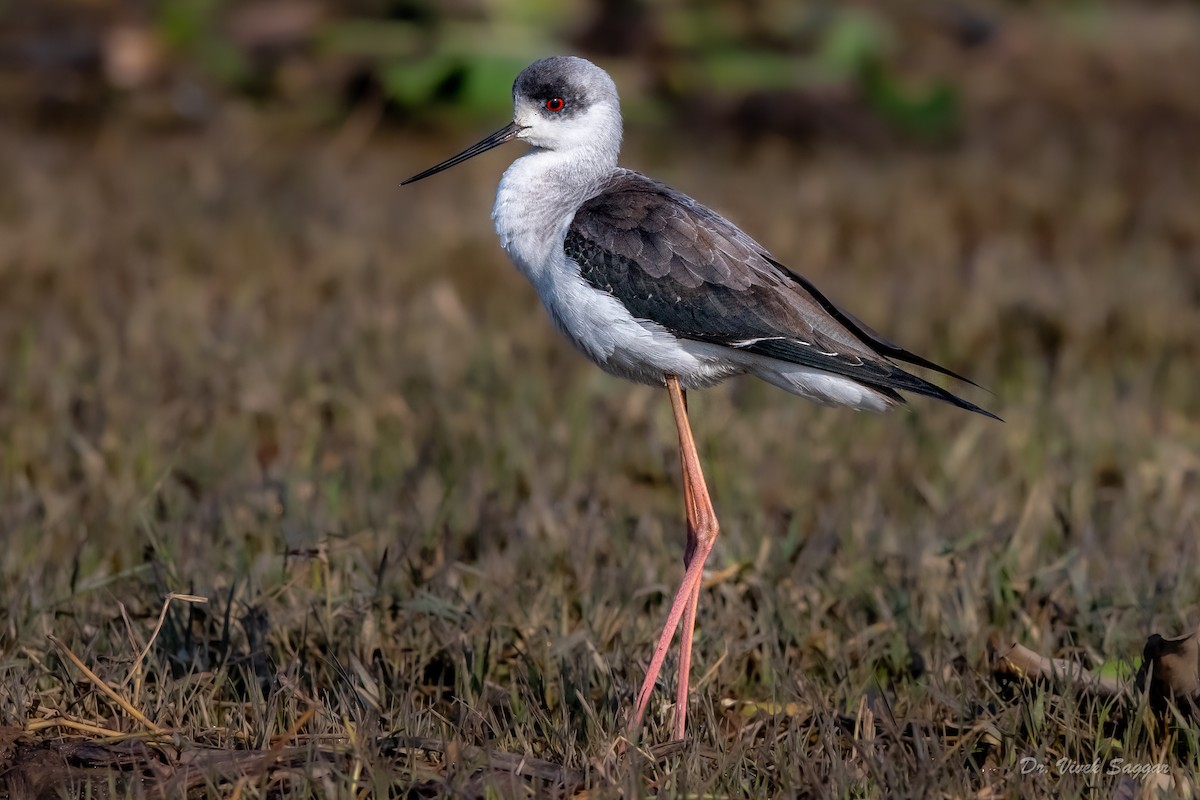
(880,375)
(866,334)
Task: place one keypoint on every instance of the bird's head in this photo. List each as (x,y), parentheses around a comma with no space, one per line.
(563,103)
(567,103)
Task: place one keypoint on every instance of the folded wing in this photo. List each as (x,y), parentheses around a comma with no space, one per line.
(672,261)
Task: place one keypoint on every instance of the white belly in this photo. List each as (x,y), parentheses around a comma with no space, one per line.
(639,350)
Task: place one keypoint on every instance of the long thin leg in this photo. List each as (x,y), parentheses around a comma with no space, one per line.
(703,527)
(685,660)
(689,611)
(702,533)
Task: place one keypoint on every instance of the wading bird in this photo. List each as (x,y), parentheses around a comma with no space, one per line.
(656,288)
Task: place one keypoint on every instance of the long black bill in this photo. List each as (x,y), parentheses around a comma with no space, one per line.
(505,134)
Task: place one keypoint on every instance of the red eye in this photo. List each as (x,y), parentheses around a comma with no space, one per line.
(555,104)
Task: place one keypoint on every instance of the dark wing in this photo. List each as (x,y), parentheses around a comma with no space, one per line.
(674,262)
(864,332)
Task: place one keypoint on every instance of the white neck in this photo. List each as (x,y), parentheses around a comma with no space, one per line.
(537,199)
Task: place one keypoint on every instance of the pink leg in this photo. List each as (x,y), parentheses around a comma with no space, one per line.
(702,532)
(689,611)
(685,661)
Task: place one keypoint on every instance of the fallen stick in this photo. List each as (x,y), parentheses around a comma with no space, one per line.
(1170,671)
(1018,661)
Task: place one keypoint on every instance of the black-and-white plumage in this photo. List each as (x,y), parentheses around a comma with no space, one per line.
(669,260)
(654,287)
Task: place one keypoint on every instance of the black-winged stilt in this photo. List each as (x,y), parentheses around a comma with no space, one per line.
(656,288)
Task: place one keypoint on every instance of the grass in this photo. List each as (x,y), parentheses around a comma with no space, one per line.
(437,546)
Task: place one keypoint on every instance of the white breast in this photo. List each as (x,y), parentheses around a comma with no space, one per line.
(534,208)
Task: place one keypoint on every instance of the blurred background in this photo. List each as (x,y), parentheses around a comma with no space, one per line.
(232,344)
(868,71)
(1011,187)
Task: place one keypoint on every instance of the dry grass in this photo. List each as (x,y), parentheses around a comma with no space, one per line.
(437,545)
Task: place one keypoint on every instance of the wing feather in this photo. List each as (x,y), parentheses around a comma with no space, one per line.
(674,262)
